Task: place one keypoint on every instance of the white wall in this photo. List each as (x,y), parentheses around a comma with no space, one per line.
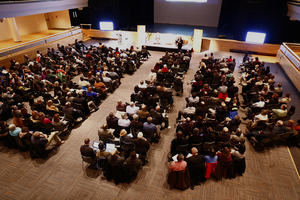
(31,24)
(60,19)
(32,8)
(188,13)
(5,31)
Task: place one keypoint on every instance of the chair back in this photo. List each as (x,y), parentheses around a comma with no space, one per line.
(87,159)
(198,146)
(182,148)
(127,145)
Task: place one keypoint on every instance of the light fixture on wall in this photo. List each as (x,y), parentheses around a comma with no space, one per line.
(81,8)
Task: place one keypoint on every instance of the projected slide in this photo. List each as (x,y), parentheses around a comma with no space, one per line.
(201,1)
(255,37)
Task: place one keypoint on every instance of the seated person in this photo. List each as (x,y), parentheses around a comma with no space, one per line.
(257,136)
(135,123)
(141,144)
(212,157)
(193,99)
(101,151)
(195,159)
(285,99)
(178,165)
(189,110)
(158,117)
(121,106)
(43,119)
(143,113)
(179,140)
(131,109)
(50,106)
(124,122)
(133,161)
(225,155)
(58,124)
(282,112)
(124,137)
(41,141)
(115,160)
(240,152)
(112,121)
(86,150)
(150,127)
(90,93)
(279,128)
(237,137)
(105,133)
(195,138)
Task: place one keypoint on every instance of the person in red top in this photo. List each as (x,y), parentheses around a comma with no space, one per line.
(165,68)
(229,59)
(44,119)
(225,156)
(178,165)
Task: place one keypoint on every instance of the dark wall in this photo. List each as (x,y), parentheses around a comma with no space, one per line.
(122,13)
(267,16)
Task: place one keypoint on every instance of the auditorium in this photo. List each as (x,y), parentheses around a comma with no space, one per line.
(149,99)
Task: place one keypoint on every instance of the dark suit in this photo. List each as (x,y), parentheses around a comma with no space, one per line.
(195,160)
(112,122)
(87,151)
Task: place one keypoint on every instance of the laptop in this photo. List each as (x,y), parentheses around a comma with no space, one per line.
(96,145)
(110,147)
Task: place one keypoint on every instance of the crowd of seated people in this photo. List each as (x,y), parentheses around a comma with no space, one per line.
(135,125)
(51,115)
(208,139)
(268,111)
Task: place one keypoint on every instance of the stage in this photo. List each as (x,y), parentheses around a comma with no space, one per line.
(149,45)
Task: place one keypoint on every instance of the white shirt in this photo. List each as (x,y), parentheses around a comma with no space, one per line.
(193,100)
(124,122)
(131,110)
(190,110)
(83,83)
(261,117)
(259,104)
(152,76)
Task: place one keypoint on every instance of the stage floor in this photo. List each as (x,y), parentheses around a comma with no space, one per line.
(149,45)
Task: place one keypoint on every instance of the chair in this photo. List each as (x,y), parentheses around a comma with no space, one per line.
(179,179)
(277,137)
(149,135)
(89,160)
(287,136)
(127,146)
(198,146)
(181,149)
(265,141)
(165,104)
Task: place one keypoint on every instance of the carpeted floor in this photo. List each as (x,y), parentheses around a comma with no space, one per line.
(269,174)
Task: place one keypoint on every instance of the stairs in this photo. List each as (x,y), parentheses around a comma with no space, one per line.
(85,37)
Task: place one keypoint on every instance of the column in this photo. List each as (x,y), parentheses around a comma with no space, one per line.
(141,31)
(197,40)
(14,29)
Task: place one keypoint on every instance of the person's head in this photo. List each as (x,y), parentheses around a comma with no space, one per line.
(279,123)
(264,112)
(226,152)
(104,126)
(135,118)
(236,118)
(56,118)
(157,108)
(133,155)
(210,130)
(196,131)
(90,89)
(123,132)
(140,135)
(188,119)
(87,141)
(225,130)
(144,107)
(111,115)
(12,127)
(180,157)
(194,151)
(101,145)
(131,104)
(149,120)
(283,106)
(41,116)
(35,114)
(23,111)
(49,102)
(36,134)
(124,116)
(119,102)
(179,135)
(68,104)
(287,95)
(24,129)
